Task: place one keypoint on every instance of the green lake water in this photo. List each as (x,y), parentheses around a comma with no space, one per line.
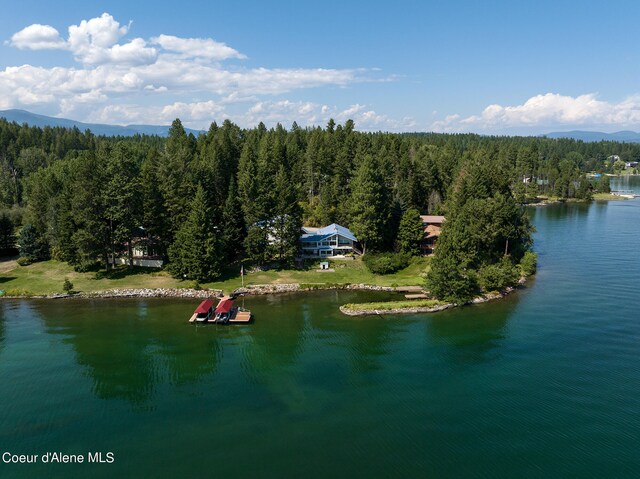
(545,383)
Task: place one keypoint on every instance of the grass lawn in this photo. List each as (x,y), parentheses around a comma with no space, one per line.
(607,197)
(388,305)
(344,272)
(48,276)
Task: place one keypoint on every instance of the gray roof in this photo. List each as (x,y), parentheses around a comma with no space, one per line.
(327,232)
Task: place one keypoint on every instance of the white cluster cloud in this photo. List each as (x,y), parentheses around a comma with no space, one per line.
(38,37)
(548,111)
(149,80)
(92,42)
(197,47)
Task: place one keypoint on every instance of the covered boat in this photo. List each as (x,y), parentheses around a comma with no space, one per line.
(224,310)
(203,312)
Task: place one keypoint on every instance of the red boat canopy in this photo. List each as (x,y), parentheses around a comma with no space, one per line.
(224,306)
(204,307)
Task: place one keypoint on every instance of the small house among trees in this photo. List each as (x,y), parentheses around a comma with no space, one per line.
(432,225)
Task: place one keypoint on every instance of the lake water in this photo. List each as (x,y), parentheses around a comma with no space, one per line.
(545,383)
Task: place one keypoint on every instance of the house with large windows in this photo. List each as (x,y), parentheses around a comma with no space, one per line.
(331,241)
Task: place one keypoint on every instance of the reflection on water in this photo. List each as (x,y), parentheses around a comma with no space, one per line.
(2,327)
(472,335)
(626,183)
(126,350)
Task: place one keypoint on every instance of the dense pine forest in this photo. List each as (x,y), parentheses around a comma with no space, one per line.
(242,194)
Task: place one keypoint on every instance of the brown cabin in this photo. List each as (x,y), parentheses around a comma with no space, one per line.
(432,225)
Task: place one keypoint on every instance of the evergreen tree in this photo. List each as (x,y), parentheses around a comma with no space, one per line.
(285,226)
(369,205)
(154,212)
(484,224)
(91,236)
(176,180)
(7,238)
(410,232)
(122,197)
(256,243)
(197,251)
(31,245)
(233,227)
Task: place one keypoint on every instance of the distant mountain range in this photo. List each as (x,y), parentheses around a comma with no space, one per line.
(589,136)
(33,119)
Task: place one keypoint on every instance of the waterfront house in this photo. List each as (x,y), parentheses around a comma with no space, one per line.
(145,251)
(432,225)
(331,241)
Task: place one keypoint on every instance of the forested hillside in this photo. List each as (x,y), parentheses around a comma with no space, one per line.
(237,193)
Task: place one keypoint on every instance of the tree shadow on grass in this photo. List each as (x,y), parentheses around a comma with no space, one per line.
(5,279)
(125,272)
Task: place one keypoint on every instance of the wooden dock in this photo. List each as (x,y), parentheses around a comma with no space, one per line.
(416,296)
(241,317)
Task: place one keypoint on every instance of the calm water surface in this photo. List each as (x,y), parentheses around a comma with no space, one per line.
(543,384)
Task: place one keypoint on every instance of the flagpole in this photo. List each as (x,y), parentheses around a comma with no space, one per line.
(242,273)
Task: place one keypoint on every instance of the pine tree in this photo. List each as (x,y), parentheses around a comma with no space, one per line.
(233,227)
(368,205)
(154,213)
(122,197)
(91,236)
(7,238)
(410,232)
(31,245)
(484,224)
(197,251)
(256,243)
(286,224)
(175,175)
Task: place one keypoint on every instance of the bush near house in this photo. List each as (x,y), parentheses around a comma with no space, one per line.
(386,263)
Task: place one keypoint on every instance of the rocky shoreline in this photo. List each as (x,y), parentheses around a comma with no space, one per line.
(261,289)
(441,307)
(131,293)
(254,290)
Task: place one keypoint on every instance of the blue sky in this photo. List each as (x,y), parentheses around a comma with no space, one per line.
(488,67)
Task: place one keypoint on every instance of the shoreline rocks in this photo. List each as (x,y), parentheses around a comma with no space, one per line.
(418,310)
(131,293)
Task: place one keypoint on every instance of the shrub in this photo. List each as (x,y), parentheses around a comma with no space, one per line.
(67,286)
(32,245)
(529,263)
(497,276)
(386,263)
(24,261)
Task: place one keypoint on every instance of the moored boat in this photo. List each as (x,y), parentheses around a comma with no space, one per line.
(203,313)
(224,310)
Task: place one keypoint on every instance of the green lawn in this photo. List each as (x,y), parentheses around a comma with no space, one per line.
(48,276)
(607,197)
(388,305)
